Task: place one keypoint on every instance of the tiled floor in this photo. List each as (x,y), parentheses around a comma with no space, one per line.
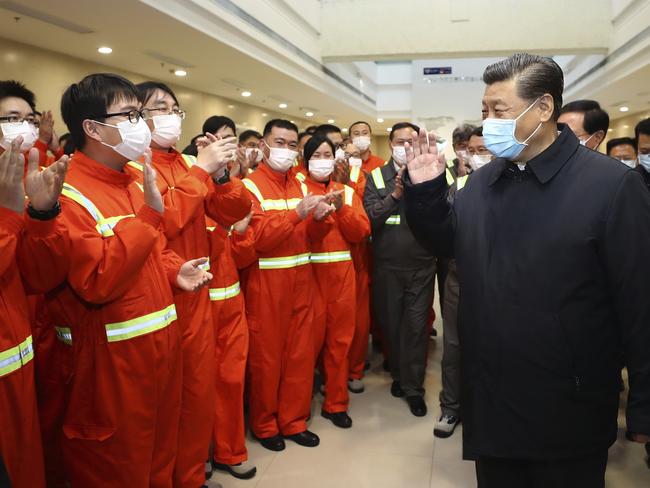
(387,447)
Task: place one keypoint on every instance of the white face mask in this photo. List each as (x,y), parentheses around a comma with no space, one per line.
(167,129)
(399,155)
(321,169)
(135,138)
(340,154)
(629,162)
(644,160)
(258,154)
(362,142)
(11,130)
(355,162)
(584,142)
(479,160)
(281,158)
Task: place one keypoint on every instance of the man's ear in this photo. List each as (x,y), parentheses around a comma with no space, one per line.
(90,128)
(547,105)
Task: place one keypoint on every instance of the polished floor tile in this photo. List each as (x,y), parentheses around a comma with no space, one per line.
(388,447)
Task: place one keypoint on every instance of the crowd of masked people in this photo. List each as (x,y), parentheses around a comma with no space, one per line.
(150,297)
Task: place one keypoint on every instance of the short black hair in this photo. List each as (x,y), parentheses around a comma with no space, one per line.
(247,134)
(402,125)
(360,122)
(642,127)
(216,122)
(595,117)
(534,76)
(280,123)
(327,129)
(146,89)
(313,144)
(304,134)
(620,141)
(478,131)
(90,99)
(66,142)
(12,88)
(311,129)
(462,133)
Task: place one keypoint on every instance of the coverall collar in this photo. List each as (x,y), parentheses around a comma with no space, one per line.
(98,171)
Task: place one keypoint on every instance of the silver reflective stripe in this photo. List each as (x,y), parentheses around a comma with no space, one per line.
(218,294)
(138,326)
(330,257)
(16,357)
(284,262)
(393,220)
(64,334)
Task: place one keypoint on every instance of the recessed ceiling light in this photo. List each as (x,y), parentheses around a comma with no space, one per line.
(180,72)
(246,94)
(626,127)
(282,105)
(104,50)
(344,129)
(264,115)
(610,130)
(331,121)
(309,114)
(380,120)
(231,106)
(389,129)
(292,121)
(624,108)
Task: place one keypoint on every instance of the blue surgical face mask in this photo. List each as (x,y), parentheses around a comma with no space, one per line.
(499,136)
(644,160)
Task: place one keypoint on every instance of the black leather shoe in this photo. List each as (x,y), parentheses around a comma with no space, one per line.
(275,443)
(417,406)
(396,390)
(305,439)
(340,419)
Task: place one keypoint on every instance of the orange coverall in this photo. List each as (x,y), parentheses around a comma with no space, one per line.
(335,277)
(279,290)
(123,413)
(373,162)
(228,252)
(38,250)
(188,194)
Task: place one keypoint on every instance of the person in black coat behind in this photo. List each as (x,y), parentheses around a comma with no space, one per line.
(552,245)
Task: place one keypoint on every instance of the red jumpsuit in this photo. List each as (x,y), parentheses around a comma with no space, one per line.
(361,259)
(335,277)
(20,439)
(188,194)
(279,290)
(123,412)
(231,333)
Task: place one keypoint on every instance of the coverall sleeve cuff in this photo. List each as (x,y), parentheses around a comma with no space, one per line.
(40,228)
(11,220)
(150,216)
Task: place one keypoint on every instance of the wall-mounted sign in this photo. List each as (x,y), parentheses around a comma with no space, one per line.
(440,70)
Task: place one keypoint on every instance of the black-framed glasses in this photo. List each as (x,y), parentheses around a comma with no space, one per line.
(148,113)
(133,115)
(13,119)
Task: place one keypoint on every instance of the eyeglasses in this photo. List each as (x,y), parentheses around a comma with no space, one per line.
(133,115)
(148,113)
(30,119)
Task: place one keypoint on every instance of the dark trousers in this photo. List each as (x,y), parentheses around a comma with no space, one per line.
(401,301)
(584,472)
(450,393)
(4,477)
(442,270)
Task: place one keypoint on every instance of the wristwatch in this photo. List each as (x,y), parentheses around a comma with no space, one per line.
(43,214)
(224,179)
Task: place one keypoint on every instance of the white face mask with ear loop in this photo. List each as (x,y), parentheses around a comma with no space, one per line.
(136,138)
